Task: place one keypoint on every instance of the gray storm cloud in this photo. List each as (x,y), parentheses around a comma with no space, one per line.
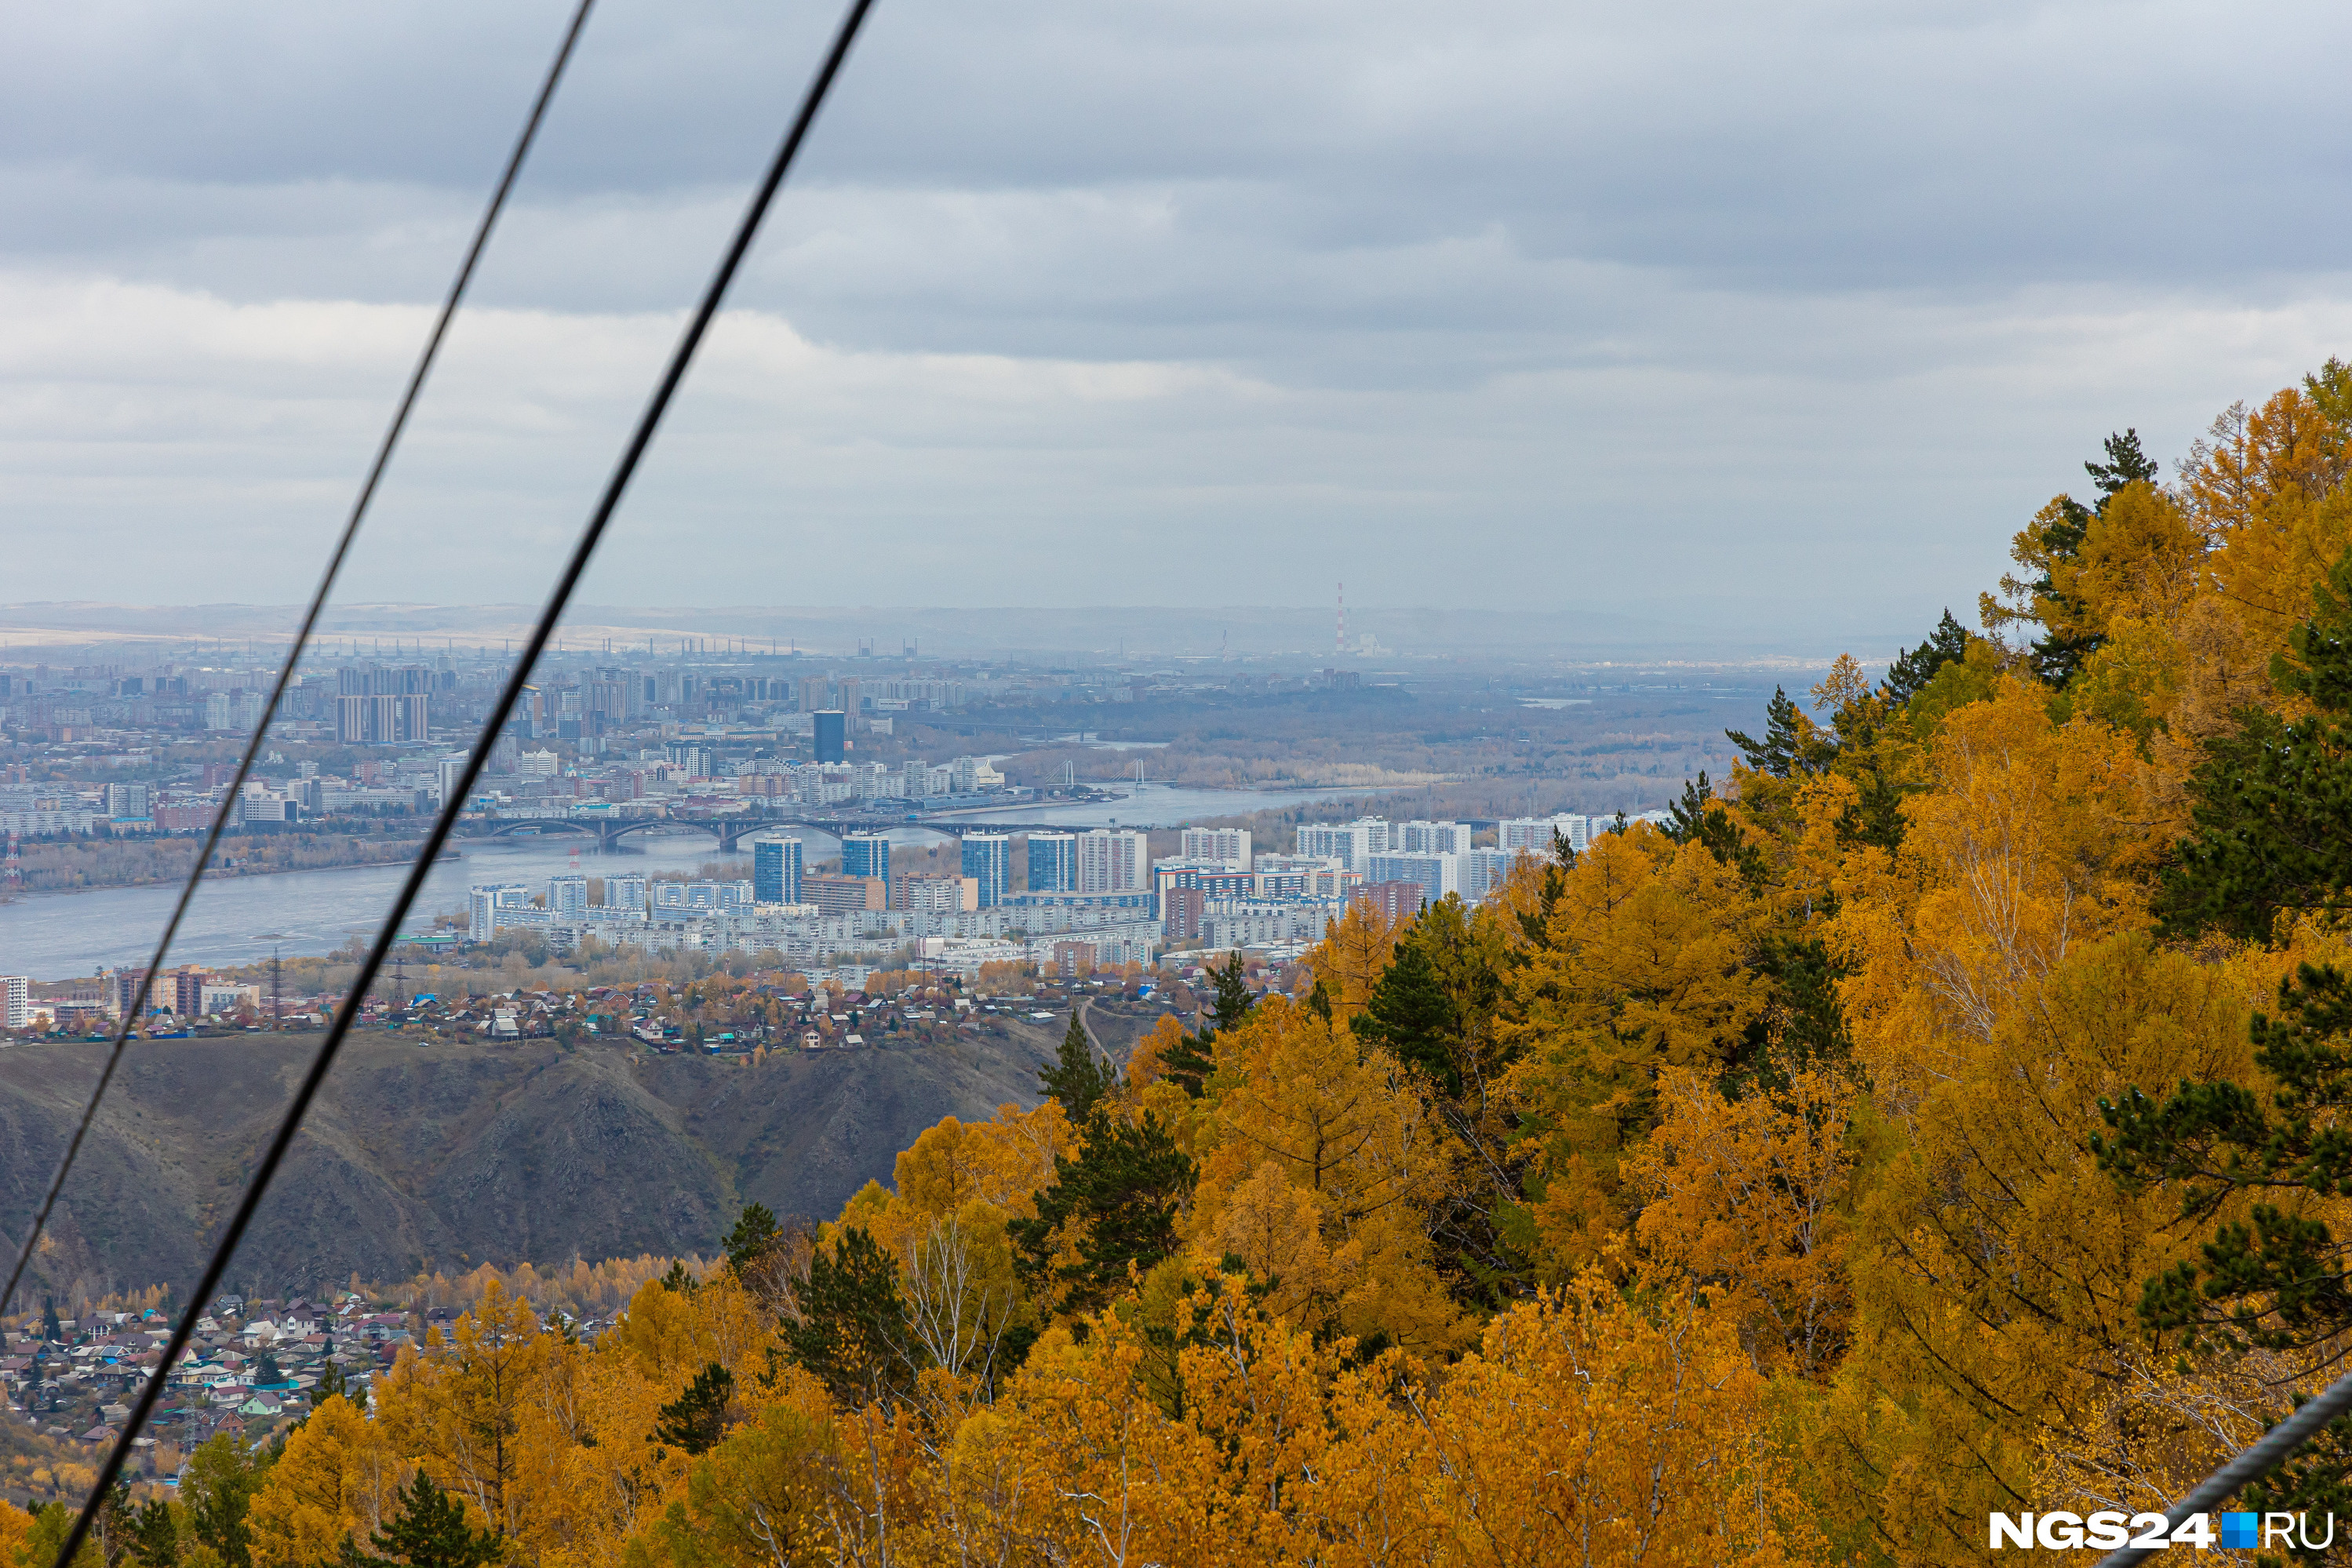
(1707,314)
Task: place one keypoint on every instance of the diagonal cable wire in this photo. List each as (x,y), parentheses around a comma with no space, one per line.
(137,1005)
(2273,1448)
(681,358)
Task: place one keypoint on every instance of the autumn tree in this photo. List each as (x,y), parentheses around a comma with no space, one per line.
(1111,1207)
(1079,1076)
(852,1330)
(431,1531)
(697,1419)
(461,1406)
(2272,809)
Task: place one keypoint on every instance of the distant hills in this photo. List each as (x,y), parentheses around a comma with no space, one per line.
(1306,632)
(450,1154)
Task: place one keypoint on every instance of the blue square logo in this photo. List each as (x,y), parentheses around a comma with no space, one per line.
(2239,1530)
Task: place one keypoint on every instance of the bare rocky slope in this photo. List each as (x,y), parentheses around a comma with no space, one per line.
(446,1156)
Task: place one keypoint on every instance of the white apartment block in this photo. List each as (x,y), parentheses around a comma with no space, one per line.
(1483,870)
(1350,843)
(1425,838)
(1231,845)
(15,1001)
(1114,861)
(1535,833)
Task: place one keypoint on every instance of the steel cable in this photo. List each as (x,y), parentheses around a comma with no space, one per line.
(2273,1448)
(136,1004)
(445,819)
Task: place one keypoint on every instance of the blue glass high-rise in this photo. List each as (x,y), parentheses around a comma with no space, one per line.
(832,736)
(868,855)
(776,871)
(1053,863)
(988,860)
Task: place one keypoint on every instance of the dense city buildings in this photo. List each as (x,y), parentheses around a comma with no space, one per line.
(821,775)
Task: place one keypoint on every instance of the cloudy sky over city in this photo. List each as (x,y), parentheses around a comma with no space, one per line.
(1765,317)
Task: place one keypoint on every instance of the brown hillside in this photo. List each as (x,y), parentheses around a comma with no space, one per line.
(442,1155)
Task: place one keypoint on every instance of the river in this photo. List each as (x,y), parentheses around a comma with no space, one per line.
(1157,806)
(241,920)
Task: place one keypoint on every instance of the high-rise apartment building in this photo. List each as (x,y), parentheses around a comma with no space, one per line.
(1350,843)
(377,706)
(832,736)
(15,1001)
(988,861)
(567,898)
(1112,861)
(1393,901)
(1437,875)
(1425,838)
(1536,833)
(626,892)
(1053,863)
(1231,845)
(936,894)
(776,868)
(842,894)
(125,800)
(868,855)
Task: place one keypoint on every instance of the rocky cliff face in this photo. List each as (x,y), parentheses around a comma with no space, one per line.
(446,1156)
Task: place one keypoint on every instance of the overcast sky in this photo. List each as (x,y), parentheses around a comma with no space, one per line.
(1769,317)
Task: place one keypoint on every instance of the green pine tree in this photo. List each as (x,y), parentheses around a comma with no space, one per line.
(1189,1065)
(1410,1013)
(1790,747)
(429,1532)
(1914,667)
(155,1536)
(679,1281)
(697,1419)
(2126,464)
(52,1327)
(1233,1000)
(1688,820)
(2272,804)
(755,1234)
(1120,1195)
(217,1490)
(2280,1279)
(2057,657)
(1080,1075)
(852,1331)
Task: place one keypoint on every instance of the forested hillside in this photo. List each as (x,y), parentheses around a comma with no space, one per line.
(1943,1115)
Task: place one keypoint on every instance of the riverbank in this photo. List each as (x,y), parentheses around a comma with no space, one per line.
(82,866)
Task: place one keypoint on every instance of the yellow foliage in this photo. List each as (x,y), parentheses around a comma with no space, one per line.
(2028,843)
(1997,1270)
(2140,558)
(1005,1162)
(1746,1198)
(1301,1104)
(1583,1431)
(336,1477)
(1350,959)
(1644,968)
